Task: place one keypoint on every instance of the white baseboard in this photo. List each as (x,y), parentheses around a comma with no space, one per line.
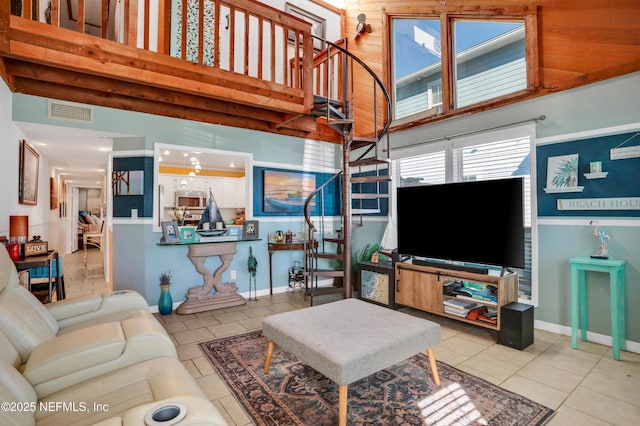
(264,292)
(601,339)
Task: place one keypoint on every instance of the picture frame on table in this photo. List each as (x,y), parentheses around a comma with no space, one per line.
(171,232)
(188,234)
(29,164)
(250,230)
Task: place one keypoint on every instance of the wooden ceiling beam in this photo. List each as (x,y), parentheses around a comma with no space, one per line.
(113,100)
(102,84)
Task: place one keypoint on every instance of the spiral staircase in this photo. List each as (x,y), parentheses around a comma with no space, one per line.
(363,182)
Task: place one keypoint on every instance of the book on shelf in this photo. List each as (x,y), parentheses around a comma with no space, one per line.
(455,312)
(487,319)
(487,300)
(450,310)
(460,304)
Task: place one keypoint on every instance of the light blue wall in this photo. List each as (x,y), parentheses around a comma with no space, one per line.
(559,243)
(134,242)
(608,107)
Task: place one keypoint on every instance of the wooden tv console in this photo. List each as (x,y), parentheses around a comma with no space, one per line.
(421,287)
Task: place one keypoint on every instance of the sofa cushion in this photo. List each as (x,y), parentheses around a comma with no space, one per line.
(144,339)
(82,349)
(24,320)
(8,353)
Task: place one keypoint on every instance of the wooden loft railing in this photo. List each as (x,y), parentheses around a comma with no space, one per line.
(233,62)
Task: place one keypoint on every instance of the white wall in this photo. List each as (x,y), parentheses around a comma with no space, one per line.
(42,220)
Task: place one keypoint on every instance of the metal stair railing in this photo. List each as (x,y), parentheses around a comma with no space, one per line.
(344,125)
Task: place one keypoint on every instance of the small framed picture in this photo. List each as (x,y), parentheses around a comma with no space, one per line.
(188,234)
(171,232)
(250,230)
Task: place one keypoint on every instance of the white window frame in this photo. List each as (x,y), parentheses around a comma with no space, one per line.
(449,145)
(430,87)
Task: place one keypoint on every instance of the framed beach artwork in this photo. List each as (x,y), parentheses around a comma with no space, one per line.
(29,164)
(375,286)
(287,191)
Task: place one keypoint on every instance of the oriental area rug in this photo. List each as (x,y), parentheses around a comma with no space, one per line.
(404,394)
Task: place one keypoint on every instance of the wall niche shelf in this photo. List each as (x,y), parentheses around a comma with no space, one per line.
(599,175)
(568,189)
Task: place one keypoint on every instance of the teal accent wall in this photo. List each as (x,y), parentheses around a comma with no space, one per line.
(122,204)
(622,175)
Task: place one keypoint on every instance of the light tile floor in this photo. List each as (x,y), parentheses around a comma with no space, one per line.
(586,386)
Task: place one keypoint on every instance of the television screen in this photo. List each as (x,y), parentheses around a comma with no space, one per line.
(478,222)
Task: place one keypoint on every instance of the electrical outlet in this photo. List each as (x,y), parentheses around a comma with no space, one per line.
(233,274)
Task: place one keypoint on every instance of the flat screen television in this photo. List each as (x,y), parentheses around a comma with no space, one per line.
(478,222)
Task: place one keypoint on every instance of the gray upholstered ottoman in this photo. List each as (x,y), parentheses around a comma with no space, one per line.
(350,339)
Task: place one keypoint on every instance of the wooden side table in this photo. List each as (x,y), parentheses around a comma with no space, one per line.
(615,269)
(274,247)
(44,260)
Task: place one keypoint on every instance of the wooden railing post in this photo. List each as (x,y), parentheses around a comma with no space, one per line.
(307,71)
(5,18)
(131,23)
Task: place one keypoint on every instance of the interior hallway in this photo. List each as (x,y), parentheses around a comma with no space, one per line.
(586,386)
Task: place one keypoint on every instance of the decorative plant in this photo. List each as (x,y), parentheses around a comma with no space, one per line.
(362,255)
(180,214)
(165,278)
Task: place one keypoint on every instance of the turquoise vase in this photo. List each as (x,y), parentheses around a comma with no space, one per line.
(165,304)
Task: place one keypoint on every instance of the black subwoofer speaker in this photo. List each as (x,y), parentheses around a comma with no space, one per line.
(516,325)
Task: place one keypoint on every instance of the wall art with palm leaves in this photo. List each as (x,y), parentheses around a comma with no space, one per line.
(562,173)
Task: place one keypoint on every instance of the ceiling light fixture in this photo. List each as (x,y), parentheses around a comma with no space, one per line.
(184,183)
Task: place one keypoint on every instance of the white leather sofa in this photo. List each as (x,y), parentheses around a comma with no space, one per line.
(128,396)
(55,356)
(96,360)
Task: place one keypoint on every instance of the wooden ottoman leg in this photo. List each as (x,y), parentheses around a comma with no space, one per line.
(267,360)
(342,405)
(434,366)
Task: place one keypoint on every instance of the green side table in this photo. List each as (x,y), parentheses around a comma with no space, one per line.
(615,269)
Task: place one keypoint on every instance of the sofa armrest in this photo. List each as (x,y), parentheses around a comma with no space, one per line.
(78,309)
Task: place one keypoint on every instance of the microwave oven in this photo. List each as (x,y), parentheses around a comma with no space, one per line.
(191,199)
